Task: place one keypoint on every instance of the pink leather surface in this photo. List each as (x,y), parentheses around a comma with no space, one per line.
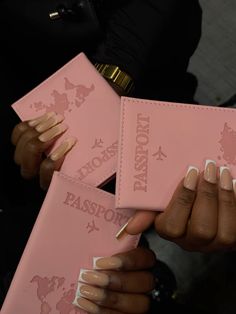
(159,141)
(76,223)
(91,109)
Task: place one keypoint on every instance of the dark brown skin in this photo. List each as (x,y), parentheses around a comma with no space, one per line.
(129,285)
(203,220)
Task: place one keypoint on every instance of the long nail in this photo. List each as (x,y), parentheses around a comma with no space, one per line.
(86,305)
(107,262)
(63,148)
(45,125)
(234,185)
(89,292)
(210,171)
(53,132)
(225,179)
(42,118)
(191,178)
(122,232)
(94,277)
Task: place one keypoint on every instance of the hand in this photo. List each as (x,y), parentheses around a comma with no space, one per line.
(32,139)
(201,215)
(118,284)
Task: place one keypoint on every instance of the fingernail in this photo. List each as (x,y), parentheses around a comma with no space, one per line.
(234,185)
(107,263)
(210,171)
(191,178)
(94,278)
(53,132)
(64,148)
(86,305)
(122,232)
(44,117)
(49,123)
(89,292)
(225,179)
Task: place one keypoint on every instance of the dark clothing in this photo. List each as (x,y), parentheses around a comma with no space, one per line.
(152,40)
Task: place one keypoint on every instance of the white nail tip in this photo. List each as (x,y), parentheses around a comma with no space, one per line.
(82,271)
(121,230)
(95,262)
(209,161)
(78,293)
(222,168)
(191,168)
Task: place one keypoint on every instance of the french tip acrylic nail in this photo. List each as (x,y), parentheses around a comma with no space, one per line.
(107,263)
(44,117)
(86,305)
(53,132)
(191,178)
(210,171)
(49,123)
(234,185)
(225,178)
(120,234)
(63,148)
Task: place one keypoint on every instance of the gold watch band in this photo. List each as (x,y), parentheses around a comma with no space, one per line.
(114,74)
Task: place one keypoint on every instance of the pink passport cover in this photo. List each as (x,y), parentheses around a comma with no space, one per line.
(76,223)
(160,140)
(91,109)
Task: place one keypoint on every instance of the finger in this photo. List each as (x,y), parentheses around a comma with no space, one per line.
(47,168)
(123,302)
(26,137)
(119,281)
(136,259)
(203,224)
(24,126)
(31,153)
(226,236)
(40,119)
(49,123)
(172,223)
(18,131)
(141,221)
(54,162)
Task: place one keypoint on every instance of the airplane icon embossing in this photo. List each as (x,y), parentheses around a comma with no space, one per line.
(159,154)
(98,143)
(92,227)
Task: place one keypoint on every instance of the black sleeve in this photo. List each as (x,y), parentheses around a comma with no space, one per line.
(135,30)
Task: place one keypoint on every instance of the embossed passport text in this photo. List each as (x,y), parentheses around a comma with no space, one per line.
(76,223)
(159,140)
(91,109)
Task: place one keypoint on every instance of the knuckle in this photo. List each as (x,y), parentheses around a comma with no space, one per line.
(145,304)
(203,233)
(210,194)
(31,147)
(171,230)
(150,281)
(112,299)
(47,166)
(227,199)
(185,198)
(226,239)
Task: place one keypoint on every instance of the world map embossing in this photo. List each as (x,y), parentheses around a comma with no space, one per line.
(45,287)
(228,145)
(73,96)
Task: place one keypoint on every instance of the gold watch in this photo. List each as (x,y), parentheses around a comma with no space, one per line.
(114,74)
